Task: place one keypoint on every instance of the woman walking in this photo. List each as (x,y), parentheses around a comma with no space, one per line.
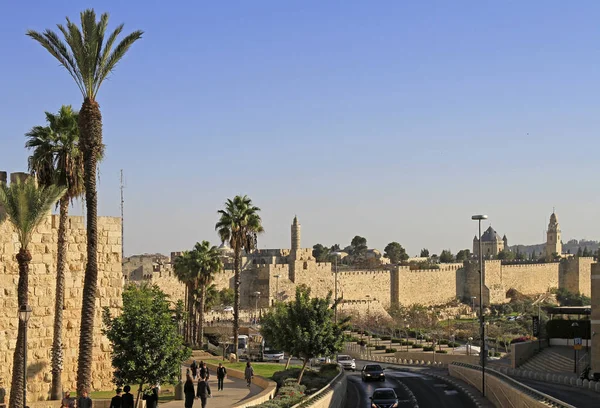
(189,392)
(249,373)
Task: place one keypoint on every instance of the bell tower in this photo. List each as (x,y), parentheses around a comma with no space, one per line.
(553,239)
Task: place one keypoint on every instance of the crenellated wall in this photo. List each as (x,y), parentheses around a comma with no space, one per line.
(42,284)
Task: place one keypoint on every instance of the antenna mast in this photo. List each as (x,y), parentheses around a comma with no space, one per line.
(122,221)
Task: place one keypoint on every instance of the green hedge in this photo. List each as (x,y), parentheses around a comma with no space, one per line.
(385,337)
(441,351)
(562,329)
(390,350)
(380,347)
(416,346)
(427,348)
(397,340)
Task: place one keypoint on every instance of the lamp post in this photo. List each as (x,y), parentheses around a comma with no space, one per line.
(407,327)
(24,315)
(480,218)
(277,288)
(368,305)
(257,295)
(337,255)
(575,325)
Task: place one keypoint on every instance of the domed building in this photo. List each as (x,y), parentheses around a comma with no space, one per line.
(491,243)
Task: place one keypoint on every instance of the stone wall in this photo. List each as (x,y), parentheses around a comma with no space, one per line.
(429,286)
(42,284)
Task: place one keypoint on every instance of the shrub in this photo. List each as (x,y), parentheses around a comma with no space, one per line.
(427,348)
(416,346)
(385,337)
(453,344)
(397,340)
(441,351)
(370,345)
(391,350)
(522,339)
(379,347)
(494,354)
(408,343)
(443,341)
(289,393)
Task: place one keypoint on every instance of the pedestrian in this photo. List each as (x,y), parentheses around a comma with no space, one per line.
(84,401)
(221,374)
(203,391)
(189,392)
(127,398)
(67,401)
(117,400)
(204,371)
(249,373)
(194,368)
(152,398)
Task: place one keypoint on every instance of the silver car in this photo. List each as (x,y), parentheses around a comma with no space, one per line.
(347,362)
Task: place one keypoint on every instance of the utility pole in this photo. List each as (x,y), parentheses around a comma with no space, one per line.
(122,221)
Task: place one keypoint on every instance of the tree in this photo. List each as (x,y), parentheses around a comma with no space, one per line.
(533,255)
(506,255)
(358,246)
(586,252)
(226,296)
(89,58)
(463,255)
(26,205)
(239,224)
(305,326)
(446,256)
(212,297)
(424,253)
(579,252)
(520,255)
(320,253)
(182,267)
(57,159)
(395,253)
(146,345)
(335,248)
(276,330)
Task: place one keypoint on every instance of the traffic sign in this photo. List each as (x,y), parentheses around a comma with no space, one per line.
(577,343)
(536,326)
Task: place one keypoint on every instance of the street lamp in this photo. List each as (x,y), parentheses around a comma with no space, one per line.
(337,255)
(24,315)
(407,327)
(277,288)
(480,218)
(257,295)
(368,304)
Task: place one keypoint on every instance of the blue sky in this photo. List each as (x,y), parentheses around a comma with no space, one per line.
(391,120)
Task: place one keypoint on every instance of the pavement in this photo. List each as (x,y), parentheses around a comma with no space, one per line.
(234,391)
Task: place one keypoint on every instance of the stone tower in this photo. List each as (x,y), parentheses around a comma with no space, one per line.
(553,242)
(295,235)
(505,240)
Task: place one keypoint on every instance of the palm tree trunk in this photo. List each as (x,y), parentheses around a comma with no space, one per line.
(236,299)
(16,386)
(201,323)
(57,352)
(90,139)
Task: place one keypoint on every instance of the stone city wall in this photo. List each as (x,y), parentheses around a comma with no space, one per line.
(428,286)
(530,279)
(42,284)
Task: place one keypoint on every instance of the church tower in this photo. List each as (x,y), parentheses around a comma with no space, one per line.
(553,240)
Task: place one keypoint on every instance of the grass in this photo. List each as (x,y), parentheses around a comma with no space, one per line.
(166,394)
(263,369)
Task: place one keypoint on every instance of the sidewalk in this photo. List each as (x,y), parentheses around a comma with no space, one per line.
(234,391)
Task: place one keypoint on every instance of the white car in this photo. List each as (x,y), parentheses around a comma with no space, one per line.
(228,309)
(273,355)
(346,362)
(317,361)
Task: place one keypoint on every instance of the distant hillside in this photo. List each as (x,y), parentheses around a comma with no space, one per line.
(571,247)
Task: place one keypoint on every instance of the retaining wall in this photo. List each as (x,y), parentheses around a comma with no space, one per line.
(521,352)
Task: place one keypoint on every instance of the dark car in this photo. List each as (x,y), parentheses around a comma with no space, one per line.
(384,398)
(372,372)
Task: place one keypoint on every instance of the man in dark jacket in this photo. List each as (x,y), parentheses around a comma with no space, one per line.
(84,401)
(221,374)
(116,401)
(204,371)
(127,398)
(194,368)
(152,398)
(203,391)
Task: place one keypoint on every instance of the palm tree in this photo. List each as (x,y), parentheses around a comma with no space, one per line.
(56,159)
(240,225)
(208,262)
(26,206)
(183,271)
(89,58)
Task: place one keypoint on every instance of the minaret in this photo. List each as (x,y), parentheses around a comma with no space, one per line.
(295,234)
(553,242)
(505,241)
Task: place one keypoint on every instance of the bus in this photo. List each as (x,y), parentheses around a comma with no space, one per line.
(242,346)
(271,354)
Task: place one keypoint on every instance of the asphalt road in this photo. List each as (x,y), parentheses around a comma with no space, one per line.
(577,397)
(428,391)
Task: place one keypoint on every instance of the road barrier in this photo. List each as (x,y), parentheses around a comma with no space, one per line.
(333,395)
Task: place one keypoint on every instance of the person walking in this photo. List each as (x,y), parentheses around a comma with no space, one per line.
(203,391)
(152,398)
(189,392)
(84,401)
(67,401)
(127,398)
(221,374)
(204,371)
(249,373)
(116,401)
(194,368)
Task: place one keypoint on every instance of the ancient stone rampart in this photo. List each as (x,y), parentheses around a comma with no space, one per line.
(42,284)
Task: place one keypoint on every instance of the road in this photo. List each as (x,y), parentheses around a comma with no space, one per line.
(428,391)
(577,397)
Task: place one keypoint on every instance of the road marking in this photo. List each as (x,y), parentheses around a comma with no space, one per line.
(450,392)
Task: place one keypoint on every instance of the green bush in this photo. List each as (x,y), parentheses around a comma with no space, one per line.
(416,346)
(441,351)
(408,343)
(380,347)
(391,350)
(397,340)
(427,348)
(289,393)
(385,337)
(453,344)
(494,354)
(443,341)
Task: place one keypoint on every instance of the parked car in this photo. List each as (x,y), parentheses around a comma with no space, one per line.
(372,372)
(317,361)
(228,309)
(346,362)
(384,398)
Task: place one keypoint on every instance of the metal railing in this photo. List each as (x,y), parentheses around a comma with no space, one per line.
(311,399)
(538,395)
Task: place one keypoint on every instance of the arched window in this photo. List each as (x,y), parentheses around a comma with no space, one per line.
(305,266)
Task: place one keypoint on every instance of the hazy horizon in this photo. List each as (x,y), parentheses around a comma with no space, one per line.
(396,122)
